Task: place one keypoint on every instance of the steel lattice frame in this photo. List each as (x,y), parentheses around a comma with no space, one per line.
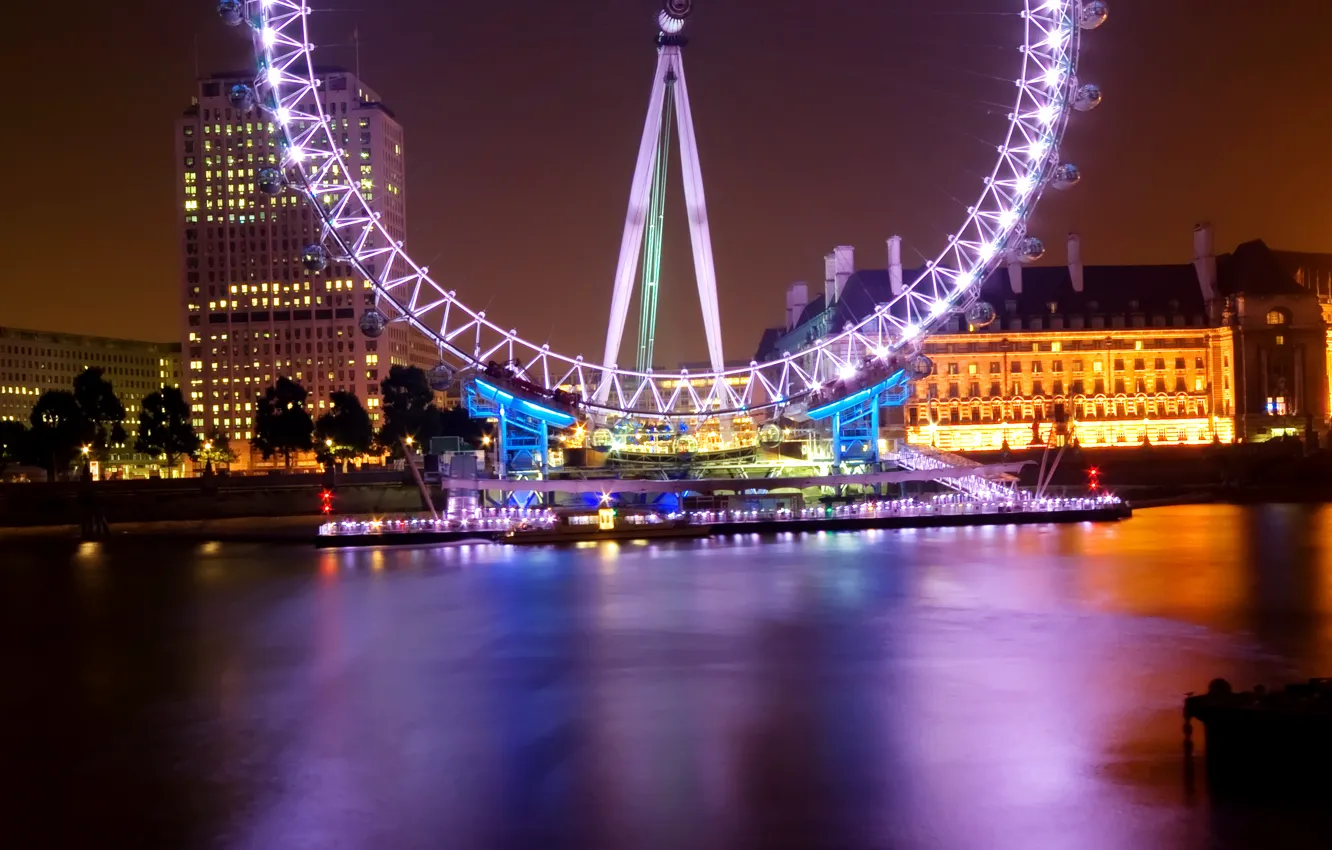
(315,164)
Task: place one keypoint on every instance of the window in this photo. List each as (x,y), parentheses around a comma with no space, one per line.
(1015,367)
(1057,366)
(995,367)
(1278,317)
(1119,364)
(1179,363)
(1280,340)
(1160,364)
(1197,363)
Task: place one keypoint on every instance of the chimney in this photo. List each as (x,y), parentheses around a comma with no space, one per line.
(797,299)
(1204,260)
(895,264)
(838,268)
(1015,272)
(1075,260)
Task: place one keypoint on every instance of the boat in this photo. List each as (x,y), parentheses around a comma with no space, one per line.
(605,524)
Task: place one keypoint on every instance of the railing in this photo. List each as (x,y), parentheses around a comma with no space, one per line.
(1000,488)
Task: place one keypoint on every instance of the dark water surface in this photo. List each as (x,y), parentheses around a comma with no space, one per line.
(971,688)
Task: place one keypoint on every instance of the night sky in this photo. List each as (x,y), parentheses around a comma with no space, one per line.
(819,123)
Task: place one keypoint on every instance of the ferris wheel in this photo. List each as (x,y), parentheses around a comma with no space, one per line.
(994,230)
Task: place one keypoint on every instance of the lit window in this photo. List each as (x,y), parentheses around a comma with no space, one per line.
(1278,317)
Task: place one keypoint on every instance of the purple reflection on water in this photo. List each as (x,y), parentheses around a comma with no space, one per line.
(967,688)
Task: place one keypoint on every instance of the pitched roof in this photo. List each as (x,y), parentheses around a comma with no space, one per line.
(1156,290)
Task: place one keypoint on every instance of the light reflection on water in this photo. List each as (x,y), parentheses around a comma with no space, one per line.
(986,688)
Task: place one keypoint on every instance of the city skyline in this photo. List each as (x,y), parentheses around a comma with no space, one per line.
(492,174)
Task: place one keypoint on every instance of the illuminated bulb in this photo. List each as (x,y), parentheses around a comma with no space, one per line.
(1007,219)
(1053,75)
(939,308)
(910,332)
(1055,39)
(274,76)
(283,115)
(1052,5)
(847,372)
(1024,184)
(881,352)
(987,250)
(1047,114)
(298,155)
(669,23)
(268,35)
(1039,149)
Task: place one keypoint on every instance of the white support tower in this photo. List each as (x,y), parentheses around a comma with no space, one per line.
(669,75)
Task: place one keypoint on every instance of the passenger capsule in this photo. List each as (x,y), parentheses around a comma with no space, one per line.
(441,377)
(373,323)
(1030,249)
(1088,98)
(269,181)
(232,12)
(1094,13)
(920,367)
(981,314)
(1066,176)
(314,258)
(242,96)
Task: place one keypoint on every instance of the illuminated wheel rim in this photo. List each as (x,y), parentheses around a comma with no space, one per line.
(1028,162)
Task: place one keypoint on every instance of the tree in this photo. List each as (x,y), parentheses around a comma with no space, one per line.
(216,450)
(15,443)
(282,425)
(165,428)
(102,410)
(59,431)
(345,431)
(457,422)
(409,409)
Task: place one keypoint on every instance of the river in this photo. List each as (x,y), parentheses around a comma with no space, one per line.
(965,688)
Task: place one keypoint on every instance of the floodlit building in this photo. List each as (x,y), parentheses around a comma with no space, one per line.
(32,362)
(252,311)
(1220,349)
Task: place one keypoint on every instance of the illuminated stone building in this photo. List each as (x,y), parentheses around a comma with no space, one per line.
(251,311)
(1221,349)
(32,362)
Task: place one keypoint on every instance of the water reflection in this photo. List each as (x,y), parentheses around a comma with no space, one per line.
(961,688)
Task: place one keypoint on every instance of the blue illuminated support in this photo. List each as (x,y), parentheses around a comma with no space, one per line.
(522,440)
(855,420)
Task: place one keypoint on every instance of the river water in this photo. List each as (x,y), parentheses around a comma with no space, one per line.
(968,688)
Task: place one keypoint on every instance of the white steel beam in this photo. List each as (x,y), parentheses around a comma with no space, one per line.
(631,246)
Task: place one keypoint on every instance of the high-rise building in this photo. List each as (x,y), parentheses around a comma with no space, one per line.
(251,312)
(33,362)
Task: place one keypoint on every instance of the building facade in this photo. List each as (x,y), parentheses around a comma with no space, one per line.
(33,362)
(1217,350)
(251,313)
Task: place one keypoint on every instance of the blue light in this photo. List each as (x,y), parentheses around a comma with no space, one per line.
(852,400)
